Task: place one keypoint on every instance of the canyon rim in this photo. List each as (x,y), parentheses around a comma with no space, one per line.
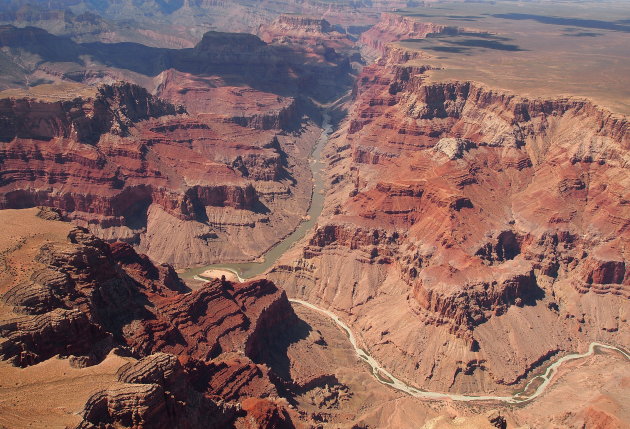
(314,214)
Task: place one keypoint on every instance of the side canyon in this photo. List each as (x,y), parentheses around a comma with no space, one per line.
(429,206)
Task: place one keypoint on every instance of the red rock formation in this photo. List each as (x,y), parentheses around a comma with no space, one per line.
(86,297)
(459,212)
(114,109)
(393,27)
(246,107)
(185,188)
(155,392)
(232,379)
(314,34)
(264,414)
(182,170)
(102,288)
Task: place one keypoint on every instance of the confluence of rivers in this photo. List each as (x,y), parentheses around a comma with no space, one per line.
(243,271)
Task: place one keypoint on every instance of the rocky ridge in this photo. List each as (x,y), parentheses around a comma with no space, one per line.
(315,34)
(85,297)
(432,212)
(393,27)
(228,168)
(179,22)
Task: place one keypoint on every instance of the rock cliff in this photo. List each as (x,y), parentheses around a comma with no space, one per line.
(117,162)
(470,234)
(393,27)
(114,109)
(211,169)
(315,34)
(100,291)
(188,351)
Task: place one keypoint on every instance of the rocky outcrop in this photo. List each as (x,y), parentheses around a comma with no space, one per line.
(458,212)
(303,23)
(315,34)
(244,106)
(221,179)
(113,109)
(110,165)
(393,27)
(94,290)
(155,392)
(264,414)
(33,339)
(190,353)
(233,378)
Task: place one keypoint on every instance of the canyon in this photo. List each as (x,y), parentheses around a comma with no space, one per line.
(415,166)
(348,215)
(216,156)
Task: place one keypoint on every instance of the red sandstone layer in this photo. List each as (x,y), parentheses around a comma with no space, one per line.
(188,351)
(470,234)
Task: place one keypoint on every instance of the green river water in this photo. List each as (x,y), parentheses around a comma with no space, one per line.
(247,270)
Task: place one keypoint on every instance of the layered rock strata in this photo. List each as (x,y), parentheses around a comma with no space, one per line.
(187,351)
(393,27)
(470,235)
(208,178)
(315,34)
(222,178)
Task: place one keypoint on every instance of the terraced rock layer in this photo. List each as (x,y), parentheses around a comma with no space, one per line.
(187,351)
(470,234)
(392,27)
(213,169)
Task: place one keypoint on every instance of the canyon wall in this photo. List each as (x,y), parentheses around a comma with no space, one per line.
(393,27)
(469,234)
(189,353)
(117,162)
(214,168)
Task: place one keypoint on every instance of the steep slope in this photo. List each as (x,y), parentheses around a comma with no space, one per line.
(470,234)
(392,27)
(95,161)
(228,169)
(235,59)
(182,21)
(67,293)
(317,34)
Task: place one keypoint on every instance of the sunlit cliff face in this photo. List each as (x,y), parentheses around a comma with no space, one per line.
(216,213)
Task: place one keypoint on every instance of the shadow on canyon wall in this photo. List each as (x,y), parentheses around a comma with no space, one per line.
(574,22)
(239,59)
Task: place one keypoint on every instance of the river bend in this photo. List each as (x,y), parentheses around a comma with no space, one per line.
(244,271)
(385,377)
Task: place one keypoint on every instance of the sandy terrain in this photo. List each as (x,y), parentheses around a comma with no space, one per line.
(49,395)
(51,92)
(218,273)
(534,50)
(21,236)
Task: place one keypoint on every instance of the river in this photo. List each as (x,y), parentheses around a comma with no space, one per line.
(385,377)
(247,270)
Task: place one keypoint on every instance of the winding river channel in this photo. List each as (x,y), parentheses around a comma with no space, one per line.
(385,377)
(251,269)
(247,270)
